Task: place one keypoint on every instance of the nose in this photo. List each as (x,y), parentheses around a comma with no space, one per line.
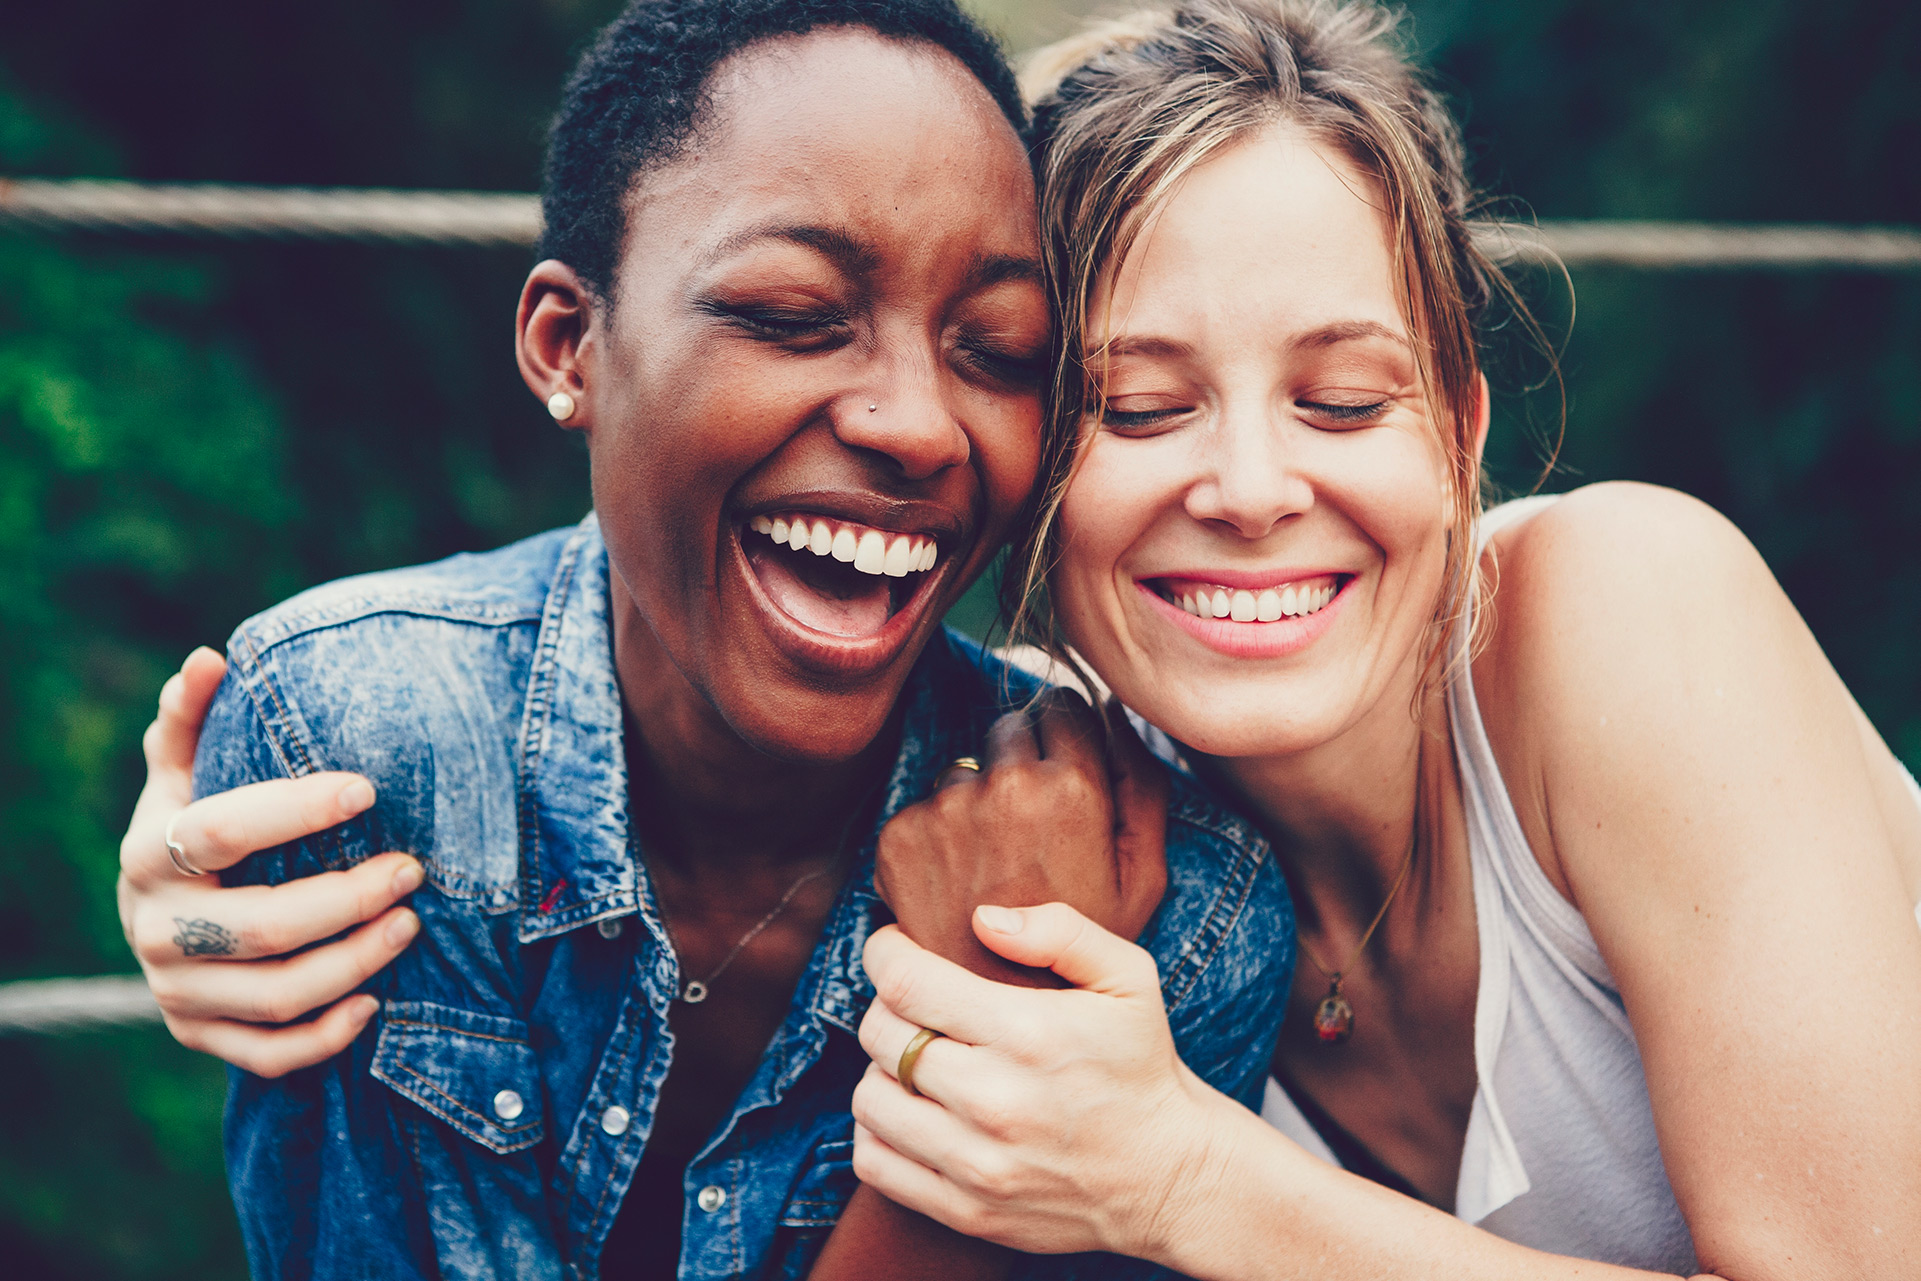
(1247,482)
(902,413)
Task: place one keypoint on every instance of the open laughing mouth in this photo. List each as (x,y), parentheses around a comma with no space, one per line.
(836,576)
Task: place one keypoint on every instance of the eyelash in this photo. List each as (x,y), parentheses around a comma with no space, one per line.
(1345,414)
(1121,420)
(779,325)
(1016,371)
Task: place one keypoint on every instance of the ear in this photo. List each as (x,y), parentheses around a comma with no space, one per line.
(556,336)
(1481,417)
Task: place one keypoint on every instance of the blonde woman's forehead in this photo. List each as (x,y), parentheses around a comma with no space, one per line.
(1276,234)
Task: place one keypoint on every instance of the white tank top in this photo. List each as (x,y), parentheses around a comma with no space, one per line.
(1561,1152)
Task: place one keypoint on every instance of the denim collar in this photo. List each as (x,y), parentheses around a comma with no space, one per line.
(577,863)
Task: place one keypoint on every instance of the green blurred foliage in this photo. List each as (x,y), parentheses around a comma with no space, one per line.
(189,432)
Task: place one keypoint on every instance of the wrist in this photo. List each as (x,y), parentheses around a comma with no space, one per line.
(1194,1199)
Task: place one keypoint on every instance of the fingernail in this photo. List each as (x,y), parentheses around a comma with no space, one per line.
(365,1007)
(1001,920)
(356,796)
(402,929)
(409,877)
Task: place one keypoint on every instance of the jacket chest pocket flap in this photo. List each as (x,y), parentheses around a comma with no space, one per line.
(476,1072)
(825,1186)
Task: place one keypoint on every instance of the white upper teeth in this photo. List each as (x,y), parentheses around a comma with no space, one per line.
(1292,601)
(871,551)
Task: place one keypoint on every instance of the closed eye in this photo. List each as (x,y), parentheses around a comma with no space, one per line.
(1343,415)
(808,327)
(1142,422)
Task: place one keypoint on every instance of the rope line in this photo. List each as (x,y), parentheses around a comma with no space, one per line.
(505,219)
(435,217)
(75,1005)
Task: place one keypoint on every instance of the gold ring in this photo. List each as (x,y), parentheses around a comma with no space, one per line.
(176,852)
(969,763)
(911,1056)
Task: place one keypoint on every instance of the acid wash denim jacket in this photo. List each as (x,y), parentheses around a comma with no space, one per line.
(486,1123)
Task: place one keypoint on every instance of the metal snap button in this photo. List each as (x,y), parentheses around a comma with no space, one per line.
(711,1198)
(508,1105)
(615,1120)
(611,927)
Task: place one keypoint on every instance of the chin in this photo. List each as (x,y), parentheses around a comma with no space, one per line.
(1227,721)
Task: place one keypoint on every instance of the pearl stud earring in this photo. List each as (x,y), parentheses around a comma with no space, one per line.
(561,406)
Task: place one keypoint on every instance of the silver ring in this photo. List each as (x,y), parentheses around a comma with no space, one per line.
(176,852)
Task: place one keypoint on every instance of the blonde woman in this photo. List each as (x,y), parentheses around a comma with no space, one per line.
(1606,888)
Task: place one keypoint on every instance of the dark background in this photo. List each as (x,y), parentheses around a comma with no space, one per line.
(192,431)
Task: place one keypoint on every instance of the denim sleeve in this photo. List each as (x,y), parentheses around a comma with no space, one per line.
(318,1183)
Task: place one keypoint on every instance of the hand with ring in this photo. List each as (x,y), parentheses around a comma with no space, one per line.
(1048,1121)
(1060,809)
(217,958)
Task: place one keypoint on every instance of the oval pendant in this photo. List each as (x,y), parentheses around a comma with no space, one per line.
(694,993)
(1334,1019)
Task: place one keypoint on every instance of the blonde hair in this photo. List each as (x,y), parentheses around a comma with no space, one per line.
(1126,109)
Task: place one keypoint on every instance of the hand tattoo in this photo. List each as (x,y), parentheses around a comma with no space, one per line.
(203,938)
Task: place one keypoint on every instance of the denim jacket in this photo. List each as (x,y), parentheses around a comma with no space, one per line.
(487,1122)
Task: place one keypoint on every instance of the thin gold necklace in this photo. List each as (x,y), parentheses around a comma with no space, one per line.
(1334,1016)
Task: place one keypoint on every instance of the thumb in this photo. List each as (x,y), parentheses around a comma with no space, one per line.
(1054,936)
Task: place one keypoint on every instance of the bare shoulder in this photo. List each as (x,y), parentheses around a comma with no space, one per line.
(1625,620)
(1618,588)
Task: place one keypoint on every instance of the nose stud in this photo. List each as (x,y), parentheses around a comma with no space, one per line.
(873,409)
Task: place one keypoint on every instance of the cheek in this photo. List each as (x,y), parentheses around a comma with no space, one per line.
(1006,439)
(1119,490)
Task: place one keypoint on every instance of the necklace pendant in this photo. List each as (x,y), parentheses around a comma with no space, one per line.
(694,993)
(1334,1017)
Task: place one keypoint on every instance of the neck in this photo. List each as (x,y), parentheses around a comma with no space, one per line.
(707,803)
(1342,815)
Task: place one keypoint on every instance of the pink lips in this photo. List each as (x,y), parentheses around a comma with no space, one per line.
(1275,639)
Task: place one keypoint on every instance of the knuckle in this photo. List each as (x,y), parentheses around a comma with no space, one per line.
(262,938)
(221,830)
(989,1174)
(997,1119)
(190,1033)
(167,994)
(153,948)
(269,1006)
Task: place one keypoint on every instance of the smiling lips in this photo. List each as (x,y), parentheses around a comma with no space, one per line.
(1298,599)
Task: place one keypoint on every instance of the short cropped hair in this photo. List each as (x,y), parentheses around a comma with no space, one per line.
(638,93)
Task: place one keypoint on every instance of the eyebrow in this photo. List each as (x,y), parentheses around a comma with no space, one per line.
(857,259)
(1328,335)
(845,252)
(993,269)
(1342,331)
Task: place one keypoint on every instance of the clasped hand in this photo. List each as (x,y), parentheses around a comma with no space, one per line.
(1049,1121)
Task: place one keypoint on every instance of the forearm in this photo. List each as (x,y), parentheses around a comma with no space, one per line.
(877,1238)
(1251,1204)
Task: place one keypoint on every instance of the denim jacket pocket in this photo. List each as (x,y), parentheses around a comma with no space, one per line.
(825,1186)
(476,1072)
